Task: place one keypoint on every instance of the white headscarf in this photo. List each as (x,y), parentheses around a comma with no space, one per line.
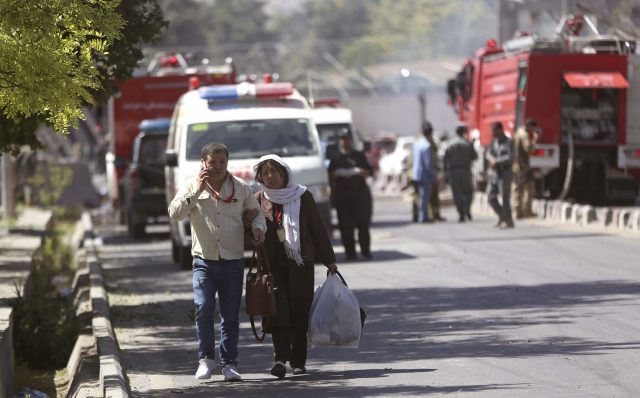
(289,198)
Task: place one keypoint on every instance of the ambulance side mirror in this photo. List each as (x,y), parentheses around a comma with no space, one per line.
(170,158)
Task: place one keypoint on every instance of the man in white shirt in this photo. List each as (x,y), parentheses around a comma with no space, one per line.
(215,201)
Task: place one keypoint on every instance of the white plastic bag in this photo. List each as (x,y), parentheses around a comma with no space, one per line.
(334,319)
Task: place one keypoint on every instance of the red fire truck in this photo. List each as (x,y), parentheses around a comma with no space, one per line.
(582,88)
(151,95)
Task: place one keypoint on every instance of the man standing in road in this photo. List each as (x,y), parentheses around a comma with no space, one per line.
(457,165)
(524,141)
(215,201)
(500,175)
(423,173)
(351,195)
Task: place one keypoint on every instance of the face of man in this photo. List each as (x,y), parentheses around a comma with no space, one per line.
(497,132)
(346,143)
(216,166)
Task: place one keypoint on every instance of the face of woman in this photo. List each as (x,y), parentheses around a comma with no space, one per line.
(272,176)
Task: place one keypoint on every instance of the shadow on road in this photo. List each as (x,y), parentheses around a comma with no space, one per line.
(402,327)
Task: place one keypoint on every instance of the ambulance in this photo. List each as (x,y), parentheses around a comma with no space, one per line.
(252,120)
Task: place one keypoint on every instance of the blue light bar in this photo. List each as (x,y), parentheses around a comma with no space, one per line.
(219,93)
(154,124)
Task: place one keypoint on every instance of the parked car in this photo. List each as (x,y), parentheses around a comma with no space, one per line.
(144,182)
(396,163)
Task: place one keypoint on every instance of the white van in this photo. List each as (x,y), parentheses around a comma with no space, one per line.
(329,122)
(252,120)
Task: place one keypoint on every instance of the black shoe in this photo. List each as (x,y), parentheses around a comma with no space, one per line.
(508,224)
(439,218)
(279,370)
(469,217)
(461,219)
(367,255)
(299,371)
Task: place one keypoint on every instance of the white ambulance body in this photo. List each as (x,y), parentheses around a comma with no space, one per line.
(252,120)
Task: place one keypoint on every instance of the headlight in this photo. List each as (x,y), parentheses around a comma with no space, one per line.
(320,192)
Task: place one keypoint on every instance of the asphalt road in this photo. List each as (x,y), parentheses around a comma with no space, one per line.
(454,309)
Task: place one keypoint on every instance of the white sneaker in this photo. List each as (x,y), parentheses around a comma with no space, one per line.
(231,373)
(205,369)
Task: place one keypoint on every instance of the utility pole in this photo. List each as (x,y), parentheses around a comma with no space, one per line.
(7,174)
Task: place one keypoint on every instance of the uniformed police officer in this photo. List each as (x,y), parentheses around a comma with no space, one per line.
(351,195)
(500,175)
(524,141)
(457,165)
(434,198)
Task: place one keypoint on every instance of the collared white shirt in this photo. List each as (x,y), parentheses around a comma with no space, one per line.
(216,226)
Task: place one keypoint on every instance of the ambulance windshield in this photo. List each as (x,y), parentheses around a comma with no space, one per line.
(247,139)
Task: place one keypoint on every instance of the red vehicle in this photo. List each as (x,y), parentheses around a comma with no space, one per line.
(150,96)
(580,87)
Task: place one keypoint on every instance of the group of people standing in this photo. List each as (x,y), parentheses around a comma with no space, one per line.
(424,175)
(508,160)
(284,218)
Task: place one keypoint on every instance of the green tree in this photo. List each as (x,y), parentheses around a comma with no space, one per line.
(46,56)
(144,23)
(321,26)
(397,29)
(60,55)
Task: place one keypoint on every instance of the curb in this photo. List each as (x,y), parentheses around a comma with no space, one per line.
(625,219)
(113,382)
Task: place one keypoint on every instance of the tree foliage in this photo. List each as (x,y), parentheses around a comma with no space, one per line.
(57,56)
(46,56)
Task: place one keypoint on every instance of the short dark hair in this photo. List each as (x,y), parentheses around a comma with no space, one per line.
(497,125)
(277,165)
(214,148)
(531,122)
(427,128)
(461,129)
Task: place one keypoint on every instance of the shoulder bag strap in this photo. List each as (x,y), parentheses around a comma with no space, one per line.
(263,259)
(253,260)
(255,332)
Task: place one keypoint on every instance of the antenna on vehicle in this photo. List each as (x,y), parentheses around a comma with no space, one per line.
(310,88)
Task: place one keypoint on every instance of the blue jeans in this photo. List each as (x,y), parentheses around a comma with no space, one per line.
(424,193)
(225,278)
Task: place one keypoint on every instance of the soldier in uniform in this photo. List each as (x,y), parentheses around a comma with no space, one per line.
(434,198)
(351,195)
(457,164)
(524,141)
(500,175)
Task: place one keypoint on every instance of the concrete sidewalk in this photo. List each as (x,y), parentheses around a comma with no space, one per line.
(18,244)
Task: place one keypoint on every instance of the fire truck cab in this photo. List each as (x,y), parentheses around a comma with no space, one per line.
(581,87)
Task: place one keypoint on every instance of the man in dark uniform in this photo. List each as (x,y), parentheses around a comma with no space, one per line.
(500,175)
(457,165)
(524,141)
(351,195)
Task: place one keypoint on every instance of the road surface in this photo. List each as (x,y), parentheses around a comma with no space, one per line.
(454,309)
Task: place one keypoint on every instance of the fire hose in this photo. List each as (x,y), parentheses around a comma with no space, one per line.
(569,172)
